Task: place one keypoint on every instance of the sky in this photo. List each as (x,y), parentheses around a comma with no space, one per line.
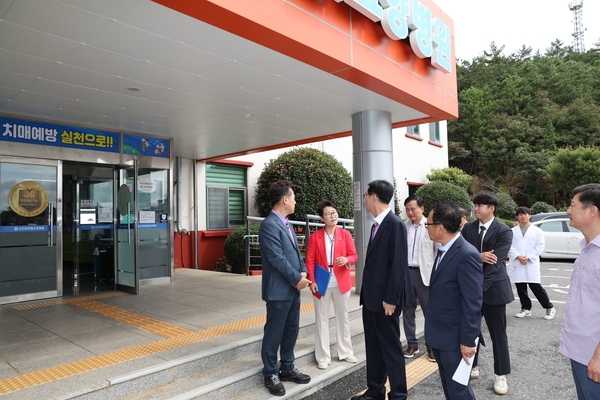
(514,23)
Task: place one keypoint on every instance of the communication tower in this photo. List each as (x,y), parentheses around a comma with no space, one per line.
(578,29)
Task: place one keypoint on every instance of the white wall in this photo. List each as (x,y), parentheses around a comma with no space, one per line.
(413,160)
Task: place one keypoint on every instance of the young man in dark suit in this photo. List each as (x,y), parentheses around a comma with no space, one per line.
(385,286)
(493,239)
(453,318)
(283,277)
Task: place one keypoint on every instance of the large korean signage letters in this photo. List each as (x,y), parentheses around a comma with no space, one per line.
(428,37)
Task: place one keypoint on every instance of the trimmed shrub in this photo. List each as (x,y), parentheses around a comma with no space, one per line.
(440,191)
(542,207)
(315,176)
(507,207)
(235,247)
(452,175)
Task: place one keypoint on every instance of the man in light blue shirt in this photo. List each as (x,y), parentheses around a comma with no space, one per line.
(580,336)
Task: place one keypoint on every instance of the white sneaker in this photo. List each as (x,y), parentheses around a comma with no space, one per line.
(350,359)
(322,365)
(475,373)
(500,386)
(550,312)
(523,313)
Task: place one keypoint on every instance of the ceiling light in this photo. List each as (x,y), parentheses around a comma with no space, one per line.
(133,89)
(249,115)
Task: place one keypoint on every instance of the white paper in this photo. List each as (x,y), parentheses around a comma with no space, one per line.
(147,217)
(463,372)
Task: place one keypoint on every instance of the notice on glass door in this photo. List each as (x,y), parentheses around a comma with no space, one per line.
(105,212)
(147,217)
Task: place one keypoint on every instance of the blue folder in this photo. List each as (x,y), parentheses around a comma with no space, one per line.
(322,277)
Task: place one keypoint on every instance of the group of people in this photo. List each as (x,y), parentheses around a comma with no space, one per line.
(457,271)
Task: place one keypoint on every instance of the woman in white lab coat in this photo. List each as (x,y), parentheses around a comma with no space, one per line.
(524,268)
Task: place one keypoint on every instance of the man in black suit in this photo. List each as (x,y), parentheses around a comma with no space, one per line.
(493,240)
(383,296)
(453,318)
(283,277)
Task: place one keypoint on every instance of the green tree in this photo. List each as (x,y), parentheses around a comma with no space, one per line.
(452,175)
(440,191)
(542,207)
(315,176)
(507,208)
(571,168)
(235,247)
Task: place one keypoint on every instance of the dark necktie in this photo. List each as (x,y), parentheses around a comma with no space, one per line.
(374,230)
(438,258)
(480,238)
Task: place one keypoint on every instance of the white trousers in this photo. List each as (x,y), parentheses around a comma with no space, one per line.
(340,305)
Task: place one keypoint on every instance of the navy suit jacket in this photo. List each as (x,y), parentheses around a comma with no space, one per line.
(385,275)
(455,298)
(496,283)
(281,260)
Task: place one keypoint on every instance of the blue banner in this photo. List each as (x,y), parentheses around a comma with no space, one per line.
(14,130)
(145,146)
(27,228)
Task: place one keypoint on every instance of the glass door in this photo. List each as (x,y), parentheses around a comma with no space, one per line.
(30,234)
(88,255)
(127,269)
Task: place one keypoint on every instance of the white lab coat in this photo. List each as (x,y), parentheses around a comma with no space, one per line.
(530,245)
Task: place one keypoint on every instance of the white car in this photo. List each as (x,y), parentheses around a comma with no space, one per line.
(562,240)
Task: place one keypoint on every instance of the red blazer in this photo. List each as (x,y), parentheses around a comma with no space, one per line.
(343,247)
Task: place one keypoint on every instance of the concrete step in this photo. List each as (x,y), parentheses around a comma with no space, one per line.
(243,379)
(214,370)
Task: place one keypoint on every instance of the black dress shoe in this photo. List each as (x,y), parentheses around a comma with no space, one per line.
(293,375)
(430,355)
(411,351)
(365,397)
(274,385)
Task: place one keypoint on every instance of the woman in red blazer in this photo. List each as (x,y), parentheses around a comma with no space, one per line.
(331,248)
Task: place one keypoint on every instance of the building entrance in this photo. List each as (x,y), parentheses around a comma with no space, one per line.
(88,231)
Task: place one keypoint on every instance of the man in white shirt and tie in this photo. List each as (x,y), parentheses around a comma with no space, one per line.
(421,254)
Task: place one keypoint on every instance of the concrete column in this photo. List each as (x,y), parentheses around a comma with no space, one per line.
(373,159)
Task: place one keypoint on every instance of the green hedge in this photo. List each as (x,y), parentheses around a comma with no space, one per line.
(440,192)
(235,247)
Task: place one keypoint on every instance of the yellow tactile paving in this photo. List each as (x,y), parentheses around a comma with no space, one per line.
(77,367)
(151,325)
(419,369)
(67,301)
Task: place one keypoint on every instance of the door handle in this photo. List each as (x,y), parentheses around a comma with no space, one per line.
(128,222)
(51,223)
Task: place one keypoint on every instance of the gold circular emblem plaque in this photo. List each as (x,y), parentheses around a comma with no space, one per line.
(28,199)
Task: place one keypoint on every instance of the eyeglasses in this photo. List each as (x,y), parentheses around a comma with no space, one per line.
(331,214)
(367,194)
(431,224)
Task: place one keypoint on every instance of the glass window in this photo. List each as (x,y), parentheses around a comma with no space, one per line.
(413,130)
(551,226)
(573,229)
(434,132)
(226,196)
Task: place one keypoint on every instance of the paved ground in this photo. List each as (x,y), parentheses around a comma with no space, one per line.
(538,371)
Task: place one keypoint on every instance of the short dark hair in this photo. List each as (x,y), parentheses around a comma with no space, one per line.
(278,190)
(463,212)
(324,204)
(418,199)
(523,210)
(589,194)
(487,198)
(448,215)
(383,189)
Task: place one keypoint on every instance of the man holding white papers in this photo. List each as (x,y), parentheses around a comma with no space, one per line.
(453,318)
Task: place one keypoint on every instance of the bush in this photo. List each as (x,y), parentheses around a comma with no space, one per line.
(507,208)
(541,207)
(315,176)
(440,191)
(452,175)
(235,247)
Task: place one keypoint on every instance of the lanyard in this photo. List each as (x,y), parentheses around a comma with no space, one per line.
(331,241)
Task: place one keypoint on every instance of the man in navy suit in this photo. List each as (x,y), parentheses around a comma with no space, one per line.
(385,286)
(453,318)
(283,277)
(493,239)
